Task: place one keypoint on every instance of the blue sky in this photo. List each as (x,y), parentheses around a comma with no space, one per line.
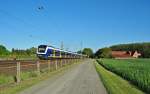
(95,23)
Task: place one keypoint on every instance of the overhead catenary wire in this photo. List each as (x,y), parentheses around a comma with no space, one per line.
(24,22)
(32,35)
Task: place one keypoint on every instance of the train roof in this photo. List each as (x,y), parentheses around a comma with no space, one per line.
(56,48)
(52,47)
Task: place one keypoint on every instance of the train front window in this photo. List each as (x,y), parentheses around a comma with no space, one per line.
(42,48)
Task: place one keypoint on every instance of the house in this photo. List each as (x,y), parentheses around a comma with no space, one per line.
(136,54)
(125,54)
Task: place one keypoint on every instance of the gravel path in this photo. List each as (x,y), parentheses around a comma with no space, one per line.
(81,79)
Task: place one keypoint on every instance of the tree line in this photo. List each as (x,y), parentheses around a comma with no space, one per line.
(25,52)
(17,52)
(143,48)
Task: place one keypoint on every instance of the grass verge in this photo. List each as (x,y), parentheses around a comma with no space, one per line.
(4,79)
(115,84)
(15,88)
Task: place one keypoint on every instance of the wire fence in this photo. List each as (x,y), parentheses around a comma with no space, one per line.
(15,68)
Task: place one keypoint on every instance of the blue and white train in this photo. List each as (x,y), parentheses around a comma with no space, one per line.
(49,52)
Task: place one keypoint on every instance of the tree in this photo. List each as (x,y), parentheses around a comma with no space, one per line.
(79,52)
(33,50)
(103,53)
(88,52)
(3,50)
(146,53)
(24,52)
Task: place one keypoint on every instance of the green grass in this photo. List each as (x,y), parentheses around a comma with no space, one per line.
(27,75)
(15,88)
(115,84)
(137,71)
(7,79)
(4,79)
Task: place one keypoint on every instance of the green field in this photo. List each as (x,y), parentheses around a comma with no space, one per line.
(137,71)
(114,83)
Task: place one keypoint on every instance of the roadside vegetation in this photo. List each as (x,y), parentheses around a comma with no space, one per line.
(137,71)
(28,79)
(5,79)
(87,51)
(8,79)
(114,83)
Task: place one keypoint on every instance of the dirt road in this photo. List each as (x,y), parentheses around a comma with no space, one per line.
(81,79)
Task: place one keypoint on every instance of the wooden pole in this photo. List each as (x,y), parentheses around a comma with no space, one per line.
(61,62)
(56,64)
(38,67)
(64,62)
(49,65)
(18,73)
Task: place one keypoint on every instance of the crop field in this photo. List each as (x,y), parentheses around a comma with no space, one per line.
(137,71)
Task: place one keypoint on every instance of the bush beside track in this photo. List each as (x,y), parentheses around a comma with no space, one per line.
(137,71)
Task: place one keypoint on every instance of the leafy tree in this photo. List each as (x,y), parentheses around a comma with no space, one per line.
(33,50)
(3,50)
(79,52)
(88,52)
(103,53)
(146,53)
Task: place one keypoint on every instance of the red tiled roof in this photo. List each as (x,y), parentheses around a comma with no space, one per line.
(120,54)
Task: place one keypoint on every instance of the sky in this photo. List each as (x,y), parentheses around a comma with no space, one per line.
(76,23)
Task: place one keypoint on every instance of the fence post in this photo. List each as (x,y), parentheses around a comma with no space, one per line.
(61,62)
(49,65)
(38,67)
(64,62)
(18,72)
(74,61)
(56,64)
(69,61)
